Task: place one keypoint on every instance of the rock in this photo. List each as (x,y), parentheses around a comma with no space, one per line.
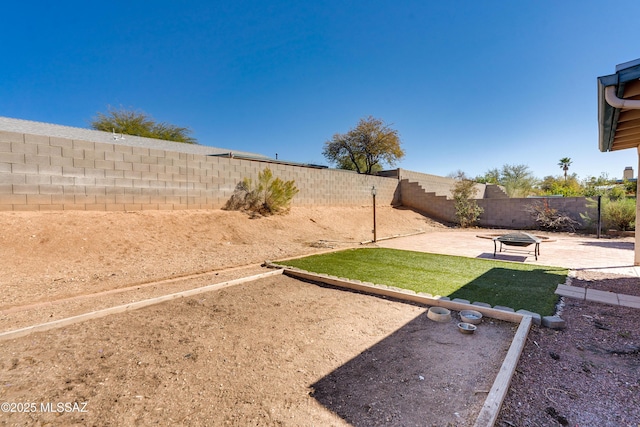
(503,308)
(482,304)
(553,322)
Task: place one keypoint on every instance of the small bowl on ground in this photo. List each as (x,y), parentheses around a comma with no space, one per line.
(439,314)
(466,328)
(471,316)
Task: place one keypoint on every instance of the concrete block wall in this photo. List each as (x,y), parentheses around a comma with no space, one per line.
(431,183)
(440,185)
(493,191)
(512,213)
(414,196)
(498,212)
(50,173)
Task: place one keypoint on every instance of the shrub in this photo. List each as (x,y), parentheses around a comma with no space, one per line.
(266,196)
(551,219)
(619,214)
(616,193)
(467,209)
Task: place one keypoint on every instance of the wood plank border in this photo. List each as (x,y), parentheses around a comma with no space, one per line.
(401,294)
(493,402)
(130,307)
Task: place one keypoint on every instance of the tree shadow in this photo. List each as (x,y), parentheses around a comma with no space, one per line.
(409,378)
(611,244)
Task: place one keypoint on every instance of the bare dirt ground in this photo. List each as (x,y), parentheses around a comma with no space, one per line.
(278,351)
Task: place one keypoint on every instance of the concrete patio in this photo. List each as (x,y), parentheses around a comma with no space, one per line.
(576,252)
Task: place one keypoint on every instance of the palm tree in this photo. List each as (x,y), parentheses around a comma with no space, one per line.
(564,163)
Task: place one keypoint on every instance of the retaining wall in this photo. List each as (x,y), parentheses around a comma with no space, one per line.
(498,212)
(438,185)
(512,213)
(50,173)
(443,186)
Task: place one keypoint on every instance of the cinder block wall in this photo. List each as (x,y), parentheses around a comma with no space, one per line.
(512,213)
(49,173)
(414,196)
(493,191)
(439,185)
(498,212)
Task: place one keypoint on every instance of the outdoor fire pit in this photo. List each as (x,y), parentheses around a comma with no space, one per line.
(518,240)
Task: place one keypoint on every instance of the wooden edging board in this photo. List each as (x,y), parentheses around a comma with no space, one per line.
(129,307)
(493,402)
(398,293)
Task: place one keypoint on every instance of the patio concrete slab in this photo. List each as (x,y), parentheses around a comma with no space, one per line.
(609,255)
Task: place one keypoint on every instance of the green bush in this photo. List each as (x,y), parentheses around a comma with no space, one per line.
(616,193)
(467,209)
(266,196)
(619,214)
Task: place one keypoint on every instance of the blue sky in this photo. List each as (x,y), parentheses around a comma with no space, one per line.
(469,85)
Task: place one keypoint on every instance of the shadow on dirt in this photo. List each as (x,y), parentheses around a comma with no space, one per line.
(425,373)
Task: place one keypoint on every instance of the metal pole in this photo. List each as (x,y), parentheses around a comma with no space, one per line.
(599,214)
(375,237)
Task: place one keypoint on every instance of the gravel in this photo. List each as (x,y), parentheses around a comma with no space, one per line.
(586,374)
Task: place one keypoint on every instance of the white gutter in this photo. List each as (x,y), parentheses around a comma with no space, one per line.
(615,102)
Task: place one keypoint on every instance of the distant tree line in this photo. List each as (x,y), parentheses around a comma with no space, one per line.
(618,200)
(519,181)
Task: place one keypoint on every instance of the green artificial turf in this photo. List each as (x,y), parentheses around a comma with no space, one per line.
(520,286)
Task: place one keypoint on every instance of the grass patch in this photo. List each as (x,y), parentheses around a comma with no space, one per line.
(520,286)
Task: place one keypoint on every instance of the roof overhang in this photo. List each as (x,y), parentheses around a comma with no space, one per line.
(619,127)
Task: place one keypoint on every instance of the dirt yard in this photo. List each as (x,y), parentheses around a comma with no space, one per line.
(273,352)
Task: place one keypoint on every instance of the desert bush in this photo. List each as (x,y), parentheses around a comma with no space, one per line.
(266,196)
(619,214)
(616,193)
(551,219)
(467,209)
